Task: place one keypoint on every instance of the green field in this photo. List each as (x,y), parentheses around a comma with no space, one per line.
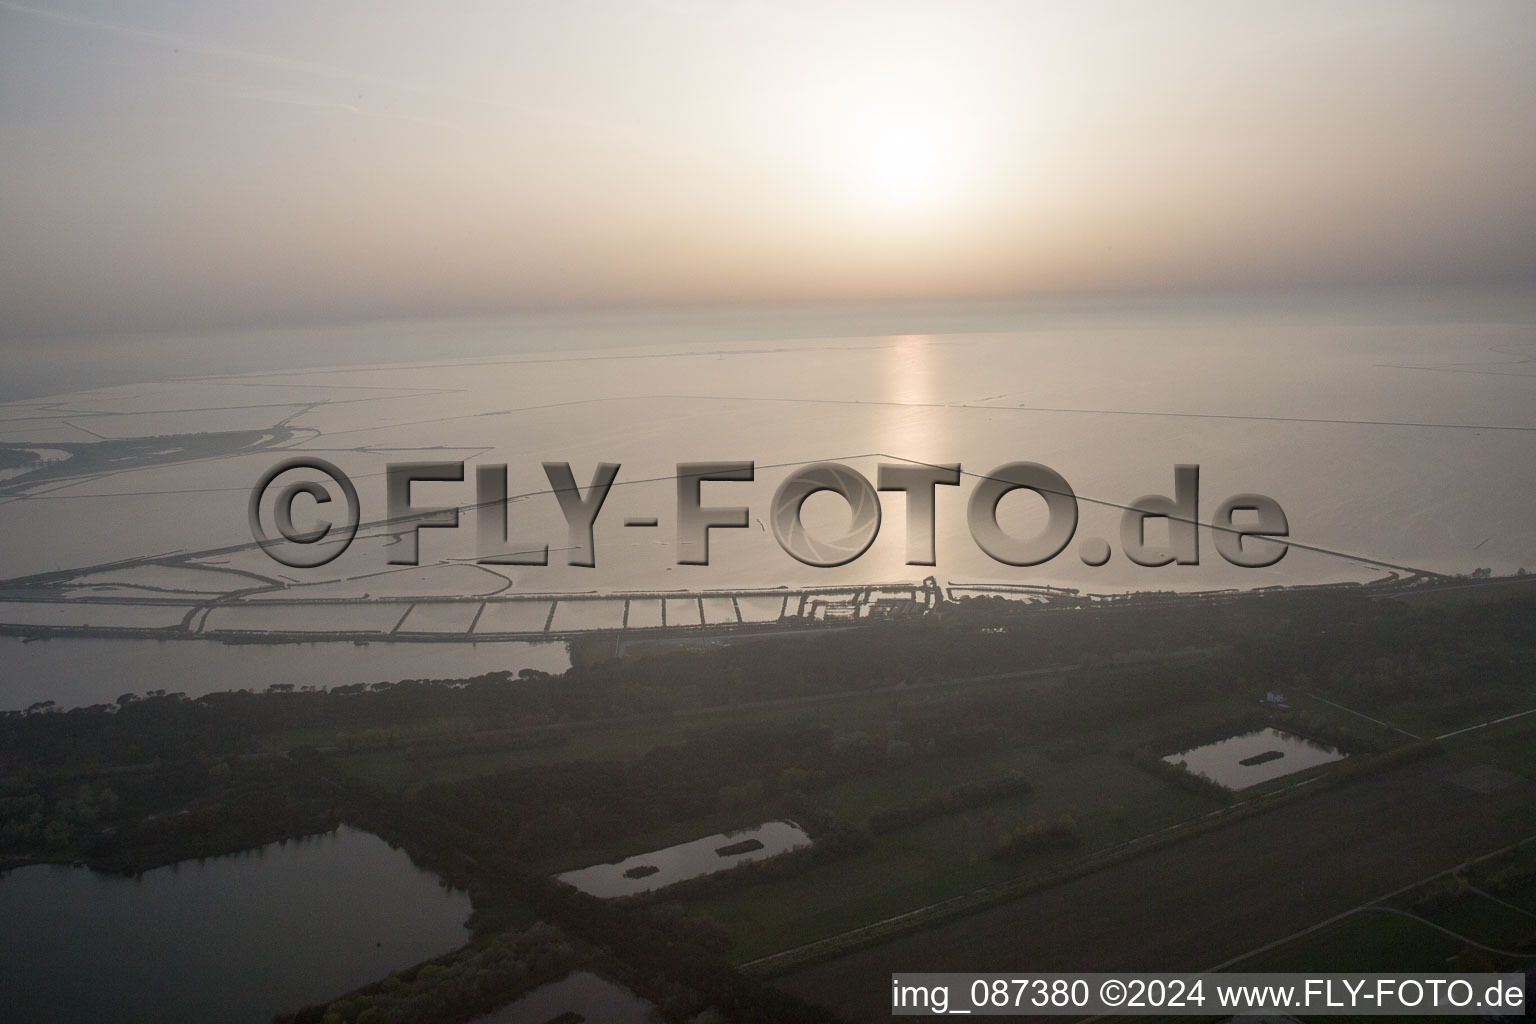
(911,867)
(1084,775)
(950,855)
(1369,941)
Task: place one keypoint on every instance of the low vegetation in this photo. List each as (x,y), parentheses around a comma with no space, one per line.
(950,801)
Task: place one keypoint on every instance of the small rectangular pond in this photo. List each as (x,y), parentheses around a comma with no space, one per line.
(646,871)
(1254,757)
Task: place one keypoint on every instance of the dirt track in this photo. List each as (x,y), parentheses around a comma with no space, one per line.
(1201,902)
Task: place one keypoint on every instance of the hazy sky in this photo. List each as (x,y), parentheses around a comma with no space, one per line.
(170,165)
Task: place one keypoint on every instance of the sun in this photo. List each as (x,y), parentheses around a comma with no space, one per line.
(902,158)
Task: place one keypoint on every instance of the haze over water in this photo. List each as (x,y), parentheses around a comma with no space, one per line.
(1405,444)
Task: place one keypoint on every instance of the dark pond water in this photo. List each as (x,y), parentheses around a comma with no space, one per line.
(228,940)
(1254,757)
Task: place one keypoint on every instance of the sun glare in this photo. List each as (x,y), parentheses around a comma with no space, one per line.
(903,159)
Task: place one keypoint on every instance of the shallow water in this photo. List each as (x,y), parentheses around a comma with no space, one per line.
(686,860)
(1221,761)
(1387,444)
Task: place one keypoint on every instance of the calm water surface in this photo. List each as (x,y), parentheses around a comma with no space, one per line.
(1222,761)
(686,860)
(228,940)
(1387,443)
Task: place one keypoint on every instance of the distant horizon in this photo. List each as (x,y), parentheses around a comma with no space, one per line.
(45,367)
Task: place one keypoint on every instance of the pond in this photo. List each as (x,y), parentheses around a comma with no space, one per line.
(1254,757)
(581,993)
(227,940)
(635,875)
